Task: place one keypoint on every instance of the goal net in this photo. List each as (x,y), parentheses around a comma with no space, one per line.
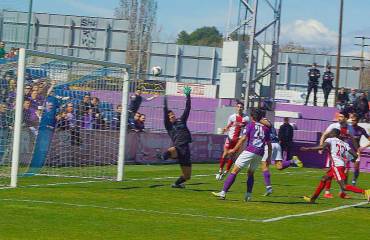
(63,118)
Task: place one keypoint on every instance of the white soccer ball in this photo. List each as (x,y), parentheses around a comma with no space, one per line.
(156,71)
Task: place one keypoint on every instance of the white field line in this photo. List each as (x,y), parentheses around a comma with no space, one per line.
(312,213)
(149,211)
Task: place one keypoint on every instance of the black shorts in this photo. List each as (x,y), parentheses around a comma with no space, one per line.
(183,155)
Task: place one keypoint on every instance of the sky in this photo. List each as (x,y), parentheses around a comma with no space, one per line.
(312,23)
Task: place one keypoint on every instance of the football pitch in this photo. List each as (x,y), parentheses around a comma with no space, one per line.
(144,206)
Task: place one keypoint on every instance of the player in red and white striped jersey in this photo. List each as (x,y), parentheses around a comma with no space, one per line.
(339,150)
(235,125)
(346,134)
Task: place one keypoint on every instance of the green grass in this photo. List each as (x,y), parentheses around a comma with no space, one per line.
(148,208)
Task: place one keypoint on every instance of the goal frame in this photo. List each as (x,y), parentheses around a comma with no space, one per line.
(21,70)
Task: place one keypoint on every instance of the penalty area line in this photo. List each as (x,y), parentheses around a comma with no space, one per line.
(312,213)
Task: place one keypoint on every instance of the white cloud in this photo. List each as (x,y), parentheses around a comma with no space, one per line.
(309,33)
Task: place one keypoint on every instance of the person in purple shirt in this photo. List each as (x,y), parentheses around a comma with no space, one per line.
(358,132)
(257,136)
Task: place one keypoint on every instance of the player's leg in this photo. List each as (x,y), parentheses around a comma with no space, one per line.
(240,163)
(327,193)
(229,158)
(183,155)
(254,163)
(319,188)
(170,153)
(356,172)
(340,176)
(266,172)
(223,159)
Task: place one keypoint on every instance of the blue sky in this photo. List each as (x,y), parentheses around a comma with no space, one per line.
(312,23)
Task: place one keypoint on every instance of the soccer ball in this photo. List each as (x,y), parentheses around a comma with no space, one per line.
(156,71)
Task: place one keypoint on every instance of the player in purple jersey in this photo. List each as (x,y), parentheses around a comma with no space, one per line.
(257,136)
(276,156)
(358,132)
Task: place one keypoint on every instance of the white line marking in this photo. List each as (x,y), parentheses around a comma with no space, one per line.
(57,184)
(125,209)
(312,213)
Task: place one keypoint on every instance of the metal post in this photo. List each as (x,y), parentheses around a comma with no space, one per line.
(123,128)
(339,51)
(18,117)
(249,73)
(29,23)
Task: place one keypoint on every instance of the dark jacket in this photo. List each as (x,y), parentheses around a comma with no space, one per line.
(286,133)
(178,131)
(313,76)
(327,80)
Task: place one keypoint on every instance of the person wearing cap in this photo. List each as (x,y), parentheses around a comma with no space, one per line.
(352,97)
(313,83)
(327,84)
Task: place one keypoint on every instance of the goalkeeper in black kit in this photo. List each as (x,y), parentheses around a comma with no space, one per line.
(180,135)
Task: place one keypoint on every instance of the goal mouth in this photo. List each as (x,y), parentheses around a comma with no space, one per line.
(63,118)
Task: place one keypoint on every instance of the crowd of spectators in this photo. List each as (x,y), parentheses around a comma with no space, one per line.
(354,102)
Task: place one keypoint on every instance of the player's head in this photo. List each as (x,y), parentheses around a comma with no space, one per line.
(286,120)
(256,114)
(314,65)
(343,116)
(142,118)
(171,116)
(138,91)
(137,116)
(328,67)
(69,107)
(355,118)
(86,99)
(119,108)
(239,107)
(335,133)
(26,104)
(95,101)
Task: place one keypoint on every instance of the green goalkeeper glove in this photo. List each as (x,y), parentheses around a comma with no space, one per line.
(187,90)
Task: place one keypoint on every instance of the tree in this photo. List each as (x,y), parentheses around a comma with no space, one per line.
(205,36)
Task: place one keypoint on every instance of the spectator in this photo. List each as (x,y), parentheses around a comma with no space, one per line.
(71,124)
(27,91)
(352,97)
(140,124)
(12,53)
(2,50)
(88,120)
(313,83)
(132,122)
(84,106)
(362,107)
(35,100)
(5,125)
(327,84)
(285,134)
(342,99)
(98,119)
(116,120)
(136,101)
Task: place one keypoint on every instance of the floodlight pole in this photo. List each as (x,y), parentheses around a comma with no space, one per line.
(339,51)
(29,24)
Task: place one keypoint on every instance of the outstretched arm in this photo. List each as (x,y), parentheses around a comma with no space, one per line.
(321,147)
(185,115)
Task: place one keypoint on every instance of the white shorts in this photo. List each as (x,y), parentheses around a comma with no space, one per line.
(248,159)
(276,153)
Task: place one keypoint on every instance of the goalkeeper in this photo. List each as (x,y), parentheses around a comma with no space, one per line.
(180,135)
